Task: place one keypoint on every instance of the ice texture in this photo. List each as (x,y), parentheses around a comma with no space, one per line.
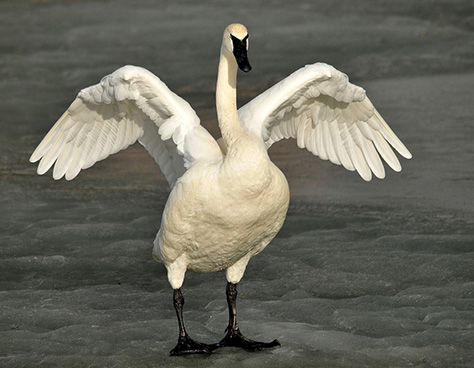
(377,274)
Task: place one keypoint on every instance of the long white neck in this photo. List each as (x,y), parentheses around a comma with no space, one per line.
(226,99)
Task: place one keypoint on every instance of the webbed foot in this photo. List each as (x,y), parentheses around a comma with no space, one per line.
(187,345)
(236,339)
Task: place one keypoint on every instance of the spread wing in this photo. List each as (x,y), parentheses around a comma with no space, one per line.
(328,116)
(128,105)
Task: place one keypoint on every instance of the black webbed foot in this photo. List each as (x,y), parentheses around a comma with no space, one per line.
(187,345)
(236,339)
(233,335)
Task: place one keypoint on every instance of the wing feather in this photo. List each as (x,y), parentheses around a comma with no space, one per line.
(337,144)
(345,142)
(300,131)
(63,161)
(308,135)
(327,115)
(357,157)
(390,136)
(57,147)
(320,141)
(128,105)
(386,152)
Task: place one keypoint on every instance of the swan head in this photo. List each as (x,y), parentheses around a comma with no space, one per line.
(235,42)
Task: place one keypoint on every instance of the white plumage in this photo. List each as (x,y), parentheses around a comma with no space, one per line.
(128,105)
(328,116)
(228,200)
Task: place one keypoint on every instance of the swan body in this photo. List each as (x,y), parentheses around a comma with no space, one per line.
(244,213)
(227,200)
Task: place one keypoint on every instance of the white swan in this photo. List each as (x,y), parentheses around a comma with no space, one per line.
(228,200)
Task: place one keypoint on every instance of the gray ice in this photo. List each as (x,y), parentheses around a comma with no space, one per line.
(377,274)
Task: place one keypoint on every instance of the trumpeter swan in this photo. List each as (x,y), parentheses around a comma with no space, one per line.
(228,200)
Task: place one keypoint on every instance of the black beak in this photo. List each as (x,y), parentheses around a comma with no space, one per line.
(240,53)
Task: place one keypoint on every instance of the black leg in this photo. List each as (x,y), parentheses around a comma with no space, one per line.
(233,335)
(186,345)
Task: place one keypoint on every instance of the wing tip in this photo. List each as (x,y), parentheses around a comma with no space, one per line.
(406,154)
(33,158)
(367,177)
(41,171)
(401,148)
(37,153)
(379,175)
(57,176)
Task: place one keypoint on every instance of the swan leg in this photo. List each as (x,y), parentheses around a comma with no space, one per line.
(186,345)
(233,335)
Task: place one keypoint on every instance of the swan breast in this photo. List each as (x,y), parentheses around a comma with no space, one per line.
(217,217)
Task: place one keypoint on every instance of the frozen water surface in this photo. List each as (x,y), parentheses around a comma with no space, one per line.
(377,274)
